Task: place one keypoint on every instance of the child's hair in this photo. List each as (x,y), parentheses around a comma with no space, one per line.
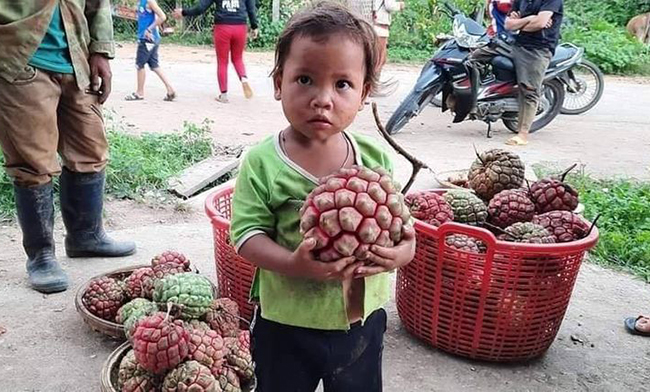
(319,22)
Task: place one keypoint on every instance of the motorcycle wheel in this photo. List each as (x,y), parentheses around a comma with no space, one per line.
(550,104)
(437,100)
(412,105)
(588,82)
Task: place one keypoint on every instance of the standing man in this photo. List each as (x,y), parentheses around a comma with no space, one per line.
(538,22)
(54,78)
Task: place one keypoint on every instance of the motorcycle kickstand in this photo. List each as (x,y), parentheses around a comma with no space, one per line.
(489,124)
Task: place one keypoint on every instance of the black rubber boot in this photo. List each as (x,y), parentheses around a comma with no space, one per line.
(82,202)
(35,209)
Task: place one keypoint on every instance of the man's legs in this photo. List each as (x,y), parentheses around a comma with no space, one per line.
(530,65)
(84,151)
(29,137)
(154,65)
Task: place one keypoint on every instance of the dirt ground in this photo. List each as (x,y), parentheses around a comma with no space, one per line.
(46,347)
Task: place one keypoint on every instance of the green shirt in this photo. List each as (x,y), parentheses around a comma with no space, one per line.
(268,195)
(52,54)
(88,29)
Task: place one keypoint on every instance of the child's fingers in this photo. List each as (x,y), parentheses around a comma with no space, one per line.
(335,268)
(365,271)
(350,270)
(306,246)
(384,262)
(386,253)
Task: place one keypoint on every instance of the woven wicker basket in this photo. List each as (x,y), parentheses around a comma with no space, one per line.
(100,325)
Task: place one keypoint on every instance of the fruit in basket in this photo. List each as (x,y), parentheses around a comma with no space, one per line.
(223,317)
(244,338)
(510,206)
(465,243)
(171,256)
(553,194)
(133,307)
(352,209)
(190,376)
(138,281)
(190,291)
(527,232)
(239,359)
(228,379)
(494,171)
(104,297)
(160,271)
(206,347)
(196,324)
(429,207)
(566,226)
(132,377)
(160,343)
(467,207)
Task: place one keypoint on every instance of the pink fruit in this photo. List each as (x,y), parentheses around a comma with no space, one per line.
(352,209)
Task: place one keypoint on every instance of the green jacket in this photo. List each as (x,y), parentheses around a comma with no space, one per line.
(23,24)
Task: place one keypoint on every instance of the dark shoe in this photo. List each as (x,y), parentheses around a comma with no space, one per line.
(35,210)
(82,202)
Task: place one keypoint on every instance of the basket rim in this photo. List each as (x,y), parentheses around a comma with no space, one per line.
(213,214)
(91,318)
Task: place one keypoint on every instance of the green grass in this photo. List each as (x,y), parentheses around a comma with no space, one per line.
(140,166)
(624,223)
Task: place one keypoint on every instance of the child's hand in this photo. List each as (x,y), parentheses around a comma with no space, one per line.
(303,264)
(387,259)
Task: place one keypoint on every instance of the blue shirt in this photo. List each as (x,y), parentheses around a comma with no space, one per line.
(146,17)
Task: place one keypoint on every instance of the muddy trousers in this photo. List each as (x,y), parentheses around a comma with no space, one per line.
(294,359)
(530,65)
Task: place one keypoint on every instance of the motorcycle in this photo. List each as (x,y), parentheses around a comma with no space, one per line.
(489,97)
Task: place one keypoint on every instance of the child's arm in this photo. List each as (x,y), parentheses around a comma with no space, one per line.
(264,253)
(388,259)
(160,16)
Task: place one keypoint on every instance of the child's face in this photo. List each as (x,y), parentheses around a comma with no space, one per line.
(322,85)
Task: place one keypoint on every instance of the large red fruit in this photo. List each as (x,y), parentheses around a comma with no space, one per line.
(564,225)
(351,210)
(137,281)
(160,343)
(553,194)
(171,256)
(510,206)
(207,347)
(429,207)
(104,297)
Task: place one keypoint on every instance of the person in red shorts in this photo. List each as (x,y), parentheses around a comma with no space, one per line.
(230,33)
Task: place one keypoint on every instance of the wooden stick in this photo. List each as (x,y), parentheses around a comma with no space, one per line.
(417,164)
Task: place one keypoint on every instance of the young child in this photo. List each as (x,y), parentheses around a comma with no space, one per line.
(318,321)
(150,18)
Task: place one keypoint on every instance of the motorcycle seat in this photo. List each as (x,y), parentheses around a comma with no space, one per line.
(562,53)
(503,62)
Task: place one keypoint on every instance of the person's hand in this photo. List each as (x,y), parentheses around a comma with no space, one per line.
(148,35)
(302,263)
(383,259)
(100,76)
(177,13)
(549,24)
(514,15)
(255,33)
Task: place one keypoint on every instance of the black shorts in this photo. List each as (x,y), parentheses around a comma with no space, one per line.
(147,54)
(294,359)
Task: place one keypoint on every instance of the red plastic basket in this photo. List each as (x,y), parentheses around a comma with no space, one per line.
(234,273)
(504,305)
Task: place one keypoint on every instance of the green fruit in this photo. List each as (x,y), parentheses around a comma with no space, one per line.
(467,207)
(190,291)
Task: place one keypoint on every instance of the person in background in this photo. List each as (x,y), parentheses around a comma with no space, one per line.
(382,17)
(316,320)
(54,78)
(538,22)
(230,32)
(498,10)
(150,19)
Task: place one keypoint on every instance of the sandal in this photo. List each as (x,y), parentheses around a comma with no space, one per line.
(631,325)
(170,97)
(133,97)
(516,141)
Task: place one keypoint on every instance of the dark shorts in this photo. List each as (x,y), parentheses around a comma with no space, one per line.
(294,359)
(147,54)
